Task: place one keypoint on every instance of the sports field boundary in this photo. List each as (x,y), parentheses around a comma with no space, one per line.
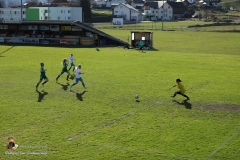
(222,144)
(134,150)
(131,113)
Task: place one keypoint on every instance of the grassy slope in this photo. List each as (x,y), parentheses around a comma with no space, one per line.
(116,126)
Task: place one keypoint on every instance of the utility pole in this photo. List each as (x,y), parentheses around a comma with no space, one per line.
(21,12)
(162,14)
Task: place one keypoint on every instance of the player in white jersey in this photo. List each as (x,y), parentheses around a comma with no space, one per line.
(78,77)
(72,59)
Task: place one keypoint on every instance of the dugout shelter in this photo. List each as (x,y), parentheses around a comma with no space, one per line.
(139,38)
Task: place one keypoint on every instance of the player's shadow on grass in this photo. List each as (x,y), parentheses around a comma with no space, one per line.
(64,86)
(41,95)
(79,95)
(72,76)
(185,103)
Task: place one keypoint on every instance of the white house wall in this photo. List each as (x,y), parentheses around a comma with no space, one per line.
(116,2)
(122,11)
(76,13)
(13,14)
(166,11)
(45,13)
(127,13)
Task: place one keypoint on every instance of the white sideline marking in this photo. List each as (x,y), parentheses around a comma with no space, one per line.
(130,113)
(114,120)
(133,150)
(221,145)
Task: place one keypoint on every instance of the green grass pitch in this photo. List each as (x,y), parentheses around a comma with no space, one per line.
(105,121)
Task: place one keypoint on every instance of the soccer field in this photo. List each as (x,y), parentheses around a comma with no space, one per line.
(105,121)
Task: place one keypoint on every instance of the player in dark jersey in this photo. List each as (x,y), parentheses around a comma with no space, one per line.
(65,64)
(42,75)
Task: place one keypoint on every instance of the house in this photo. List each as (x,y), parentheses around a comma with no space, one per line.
(127,12)
(101,3)
(138,4)
(12,14)
(163,10)
(117,2)
(107,3)
(60,3)
(157,10)
(54,13)
(212,3)
(178,8)
(151,10)
(30,4)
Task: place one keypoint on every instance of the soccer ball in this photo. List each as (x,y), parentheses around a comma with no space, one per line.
(136,96)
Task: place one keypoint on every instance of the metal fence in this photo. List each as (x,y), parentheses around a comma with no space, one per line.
(160,27)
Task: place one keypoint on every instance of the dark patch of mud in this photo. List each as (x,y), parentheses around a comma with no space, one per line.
(230,108)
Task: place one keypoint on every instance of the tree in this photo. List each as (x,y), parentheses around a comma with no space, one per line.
(13,3)
(2,4)
(33,1)
(86,9)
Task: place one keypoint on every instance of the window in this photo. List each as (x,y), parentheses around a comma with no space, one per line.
(15,12)
(156,11)
(152,11)
(58,18)
(61,11)
(46,18)
(68,18)
(45,11)
(116,11)
(69,11)
(23,12)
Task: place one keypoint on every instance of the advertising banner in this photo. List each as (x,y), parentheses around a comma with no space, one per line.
(3,26)
(65,28)
(23,27)
(29,40)
(54,27)
(33,27)
(76,28)
(48,41)
(1,39)
(12,26)
(44,27)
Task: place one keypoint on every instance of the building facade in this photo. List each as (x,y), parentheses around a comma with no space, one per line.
(41,13)
(12,14)
(127,12)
